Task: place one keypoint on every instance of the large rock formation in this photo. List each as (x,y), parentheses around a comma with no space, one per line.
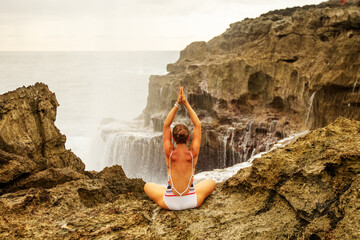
(37,171)
(30,144)
(264,78)
(317,179)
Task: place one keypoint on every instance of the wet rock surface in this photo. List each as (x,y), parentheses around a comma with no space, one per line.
(265,78)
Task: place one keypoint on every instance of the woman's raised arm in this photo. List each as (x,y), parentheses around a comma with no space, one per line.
(196,141)
(168,146)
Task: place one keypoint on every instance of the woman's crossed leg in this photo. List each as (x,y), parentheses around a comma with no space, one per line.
(156,193)
(203,189)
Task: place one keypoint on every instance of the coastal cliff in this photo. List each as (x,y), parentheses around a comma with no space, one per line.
(308,189)
(265,78)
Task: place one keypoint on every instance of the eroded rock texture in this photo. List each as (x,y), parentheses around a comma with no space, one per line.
(30,143)
(313,177)
(264,78)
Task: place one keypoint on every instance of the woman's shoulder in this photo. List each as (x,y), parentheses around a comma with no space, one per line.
(178,155)
(192,152)
(169,151)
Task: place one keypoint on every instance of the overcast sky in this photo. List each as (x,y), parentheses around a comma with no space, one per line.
(45,25)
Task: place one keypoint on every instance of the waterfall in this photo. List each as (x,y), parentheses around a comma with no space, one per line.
(233,151)
(311,99)
(245,141)
(227,151)
(270,135)
(138,150)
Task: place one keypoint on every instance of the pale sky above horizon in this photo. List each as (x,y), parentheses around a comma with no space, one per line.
(82,25)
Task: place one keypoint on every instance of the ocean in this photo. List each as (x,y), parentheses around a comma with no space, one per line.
(89,86)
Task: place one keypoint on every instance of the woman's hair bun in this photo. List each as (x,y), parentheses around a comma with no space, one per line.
(181,133)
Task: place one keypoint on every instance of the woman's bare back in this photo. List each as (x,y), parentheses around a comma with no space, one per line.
(182,169)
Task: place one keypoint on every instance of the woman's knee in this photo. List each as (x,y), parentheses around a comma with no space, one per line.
(205,188)
(148,187)
(154,191)
(209,184)
(212,183)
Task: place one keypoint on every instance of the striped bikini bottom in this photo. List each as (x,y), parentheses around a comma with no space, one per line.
(175,202)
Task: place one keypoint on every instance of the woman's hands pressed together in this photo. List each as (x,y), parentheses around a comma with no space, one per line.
(181,98)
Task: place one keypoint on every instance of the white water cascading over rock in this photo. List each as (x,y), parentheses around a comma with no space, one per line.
(230,145)
(227,146)
(138,150)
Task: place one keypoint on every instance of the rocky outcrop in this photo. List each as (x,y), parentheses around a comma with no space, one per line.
(40,178)
(307,190)
(314,177)
(264,78)
(31,147)
(44,213)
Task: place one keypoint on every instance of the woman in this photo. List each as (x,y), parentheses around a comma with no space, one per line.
(180,193)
